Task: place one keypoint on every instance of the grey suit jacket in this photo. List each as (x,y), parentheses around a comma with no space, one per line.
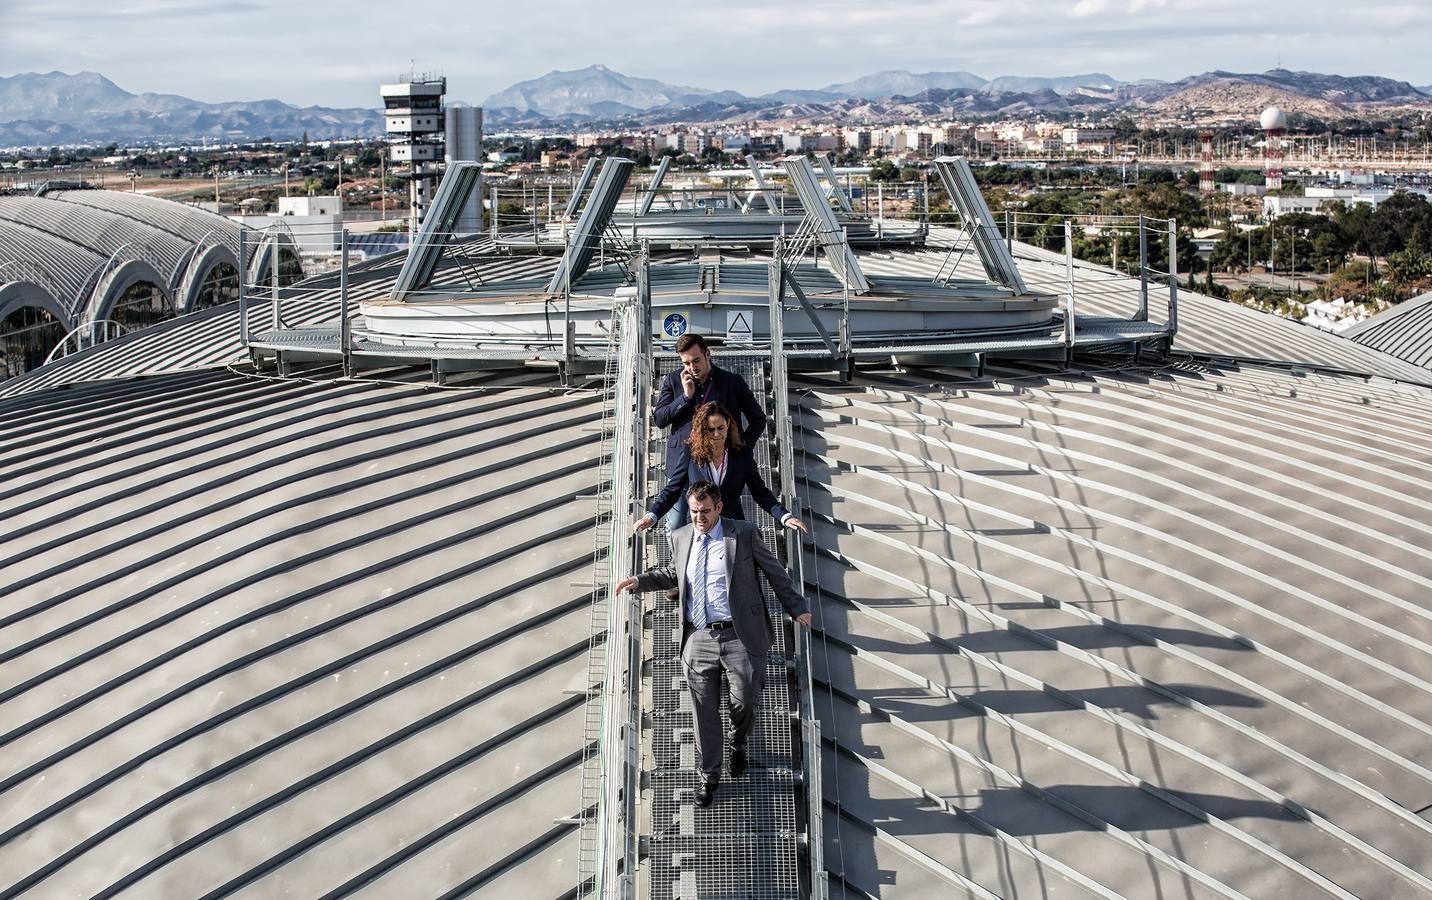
(744,555)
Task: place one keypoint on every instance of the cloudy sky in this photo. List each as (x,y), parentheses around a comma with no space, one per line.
(336,53)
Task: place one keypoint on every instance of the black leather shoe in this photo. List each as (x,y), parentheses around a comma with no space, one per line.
(738,762)
(705,792)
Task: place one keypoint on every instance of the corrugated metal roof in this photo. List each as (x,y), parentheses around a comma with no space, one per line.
(1142,633)
(1405,331)
(1207,326)
(293,637)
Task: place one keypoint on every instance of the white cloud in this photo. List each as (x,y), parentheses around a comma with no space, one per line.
(1085,8)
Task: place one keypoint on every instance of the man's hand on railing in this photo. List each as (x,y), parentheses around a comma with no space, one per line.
(797,524)
(645,522)
(803,618)
(627,584)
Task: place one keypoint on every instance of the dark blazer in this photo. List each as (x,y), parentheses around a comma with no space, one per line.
(744,555)
(673,409)
(741,473)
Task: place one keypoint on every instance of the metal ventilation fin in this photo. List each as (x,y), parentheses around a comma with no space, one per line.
(583,182)
(828,232)
(587,233)
(457,185)
(655,186)
(965,195)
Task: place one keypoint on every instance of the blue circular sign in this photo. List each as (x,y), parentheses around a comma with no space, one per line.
(674,325)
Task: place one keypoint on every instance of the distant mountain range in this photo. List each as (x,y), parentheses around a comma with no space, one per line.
(56,108)
(599,91)
(600,95)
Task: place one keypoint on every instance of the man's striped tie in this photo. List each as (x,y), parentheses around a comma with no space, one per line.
(698,587)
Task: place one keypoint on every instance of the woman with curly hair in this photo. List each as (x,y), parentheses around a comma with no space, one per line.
(714,453)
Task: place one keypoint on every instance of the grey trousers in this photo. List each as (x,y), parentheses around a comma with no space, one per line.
(705,654)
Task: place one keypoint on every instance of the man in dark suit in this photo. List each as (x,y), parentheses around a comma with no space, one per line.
(714,571)
(700,381)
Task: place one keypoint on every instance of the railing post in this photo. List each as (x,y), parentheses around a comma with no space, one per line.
(568,342)
(273,276)
(880,209)
(1008,235)
(1068,291)
(1172,281)
(243,293)
(344,326)
(1143,312)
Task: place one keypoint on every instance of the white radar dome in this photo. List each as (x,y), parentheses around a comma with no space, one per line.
(1273,118)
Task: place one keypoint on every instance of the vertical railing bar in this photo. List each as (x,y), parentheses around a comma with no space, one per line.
(344,326)
(1143,312)
(1172,281)
(273,276)
(1069,291)
(243,294)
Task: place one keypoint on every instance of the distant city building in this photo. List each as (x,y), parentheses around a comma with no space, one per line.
(314,224)
(858,139)
(1096,140)
(308,206)
(1275,205)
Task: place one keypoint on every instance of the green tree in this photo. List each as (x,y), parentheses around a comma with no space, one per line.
(884,170)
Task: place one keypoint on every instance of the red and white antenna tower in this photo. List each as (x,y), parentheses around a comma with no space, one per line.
(1275,125)
(1205,162)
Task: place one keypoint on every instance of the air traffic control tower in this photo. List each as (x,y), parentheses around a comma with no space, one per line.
(415,122)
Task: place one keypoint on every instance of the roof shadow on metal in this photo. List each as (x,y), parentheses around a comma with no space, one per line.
(1152,632)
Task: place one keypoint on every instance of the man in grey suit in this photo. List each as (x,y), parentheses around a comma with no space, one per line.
(714,572)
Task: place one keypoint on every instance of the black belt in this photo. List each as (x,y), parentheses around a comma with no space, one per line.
(718,626)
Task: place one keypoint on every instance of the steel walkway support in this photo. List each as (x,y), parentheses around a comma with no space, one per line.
(810,812)
(748,842)
(772,206)
(834,181)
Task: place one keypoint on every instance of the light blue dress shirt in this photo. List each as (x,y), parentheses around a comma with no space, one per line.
(718,600)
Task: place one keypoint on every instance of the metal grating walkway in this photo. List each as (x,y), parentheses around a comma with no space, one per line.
(744,844)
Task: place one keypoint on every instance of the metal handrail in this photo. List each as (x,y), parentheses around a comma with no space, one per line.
(795,563)
(611,778)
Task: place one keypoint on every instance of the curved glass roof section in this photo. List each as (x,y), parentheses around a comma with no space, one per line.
(65,243)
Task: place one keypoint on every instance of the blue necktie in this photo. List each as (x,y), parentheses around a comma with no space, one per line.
(698,587)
